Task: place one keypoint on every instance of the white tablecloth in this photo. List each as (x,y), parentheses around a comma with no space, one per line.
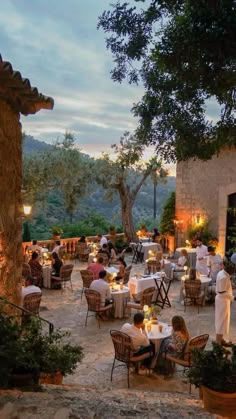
(147,247)
(137,285)
(156,337)
(120,297)
(47,276)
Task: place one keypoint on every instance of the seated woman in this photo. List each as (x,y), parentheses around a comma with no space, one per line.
(36,269)
(56,264)
(82,239)
(183,259)
(122,266)
(112,251)
(175,345)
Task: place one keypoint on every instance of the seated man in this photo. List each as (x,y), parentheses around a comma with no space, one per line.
(96,267)
(100,285)
(102,240)
(29,287)
(105,250)
(139,338)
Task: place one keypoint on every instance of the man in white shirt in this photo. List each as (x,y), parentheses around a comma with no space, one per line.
(139,338)
(29,288)
(224,296)
(102,239)
(201,253)
(34,247)
(214,264)
(100,285)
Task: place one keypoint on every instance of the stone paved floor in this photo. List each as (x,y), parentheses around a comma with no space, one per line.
(67,311)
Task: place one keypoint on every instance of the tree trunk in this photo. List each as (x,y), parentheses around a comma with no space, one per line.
(154,200)
(127,219)
(10,204)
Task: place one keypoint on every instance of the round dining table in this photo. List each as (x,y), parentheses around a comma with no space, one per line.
(156,337)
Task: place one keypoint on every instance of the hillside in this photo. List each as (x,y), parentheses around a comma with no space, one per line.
(52,211)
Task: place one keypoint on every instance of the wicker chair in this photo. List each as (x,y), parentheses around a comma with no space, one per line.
(153,266)
(124,352)
(186,362)
(193,293)
(31,303)
(65,276)
(127,274)
(94,305)
(87,278)
(26,270)
(82,252)
(146,299)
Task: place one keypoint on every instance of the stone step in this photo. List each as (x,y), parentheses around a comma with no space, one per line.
(77,402)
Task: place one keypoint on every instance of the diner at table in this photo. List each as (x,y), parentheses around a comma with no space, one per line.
(36,269)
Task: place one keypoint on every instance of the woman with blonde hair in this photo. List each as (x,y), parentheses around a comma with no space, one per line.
(183,259)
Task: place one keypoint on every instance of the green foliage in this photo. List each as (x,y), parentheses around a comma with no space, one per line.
(168,215)
(31,351)
(94,224)
(56,230)
(214,369)
(184,54)
(26,232)
(201,231)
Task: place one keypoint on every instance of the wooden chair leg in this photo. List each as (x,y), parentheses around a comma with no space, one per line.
(86,319)
(112,369)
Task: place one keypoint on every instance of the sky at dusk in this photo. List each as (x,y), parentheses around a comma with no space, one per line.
(57,46)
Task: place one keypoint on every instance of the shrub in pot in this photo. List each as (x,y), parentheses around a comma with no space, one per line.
(59,358)
(24,354)
(214,372)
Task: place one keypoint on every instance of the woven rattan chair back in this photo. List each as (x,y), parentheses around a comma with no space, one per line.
(122,346)
(192,288)
(65,272)
(147,296)
(153,266)
(87,277)
(32,301)
(93,300)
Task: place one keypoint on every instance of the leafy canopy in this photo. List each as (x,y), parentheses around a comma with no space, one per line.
(183,52)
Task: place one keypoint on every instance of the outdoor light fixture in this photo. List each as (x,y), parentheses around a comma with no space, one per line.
(27,209)
(198,218)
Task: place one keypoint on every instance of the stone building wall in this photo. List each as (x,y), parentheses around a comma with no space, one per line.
(202,190)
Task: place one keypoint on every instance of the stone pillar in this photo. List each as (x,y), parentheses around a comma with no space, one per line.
(10,203)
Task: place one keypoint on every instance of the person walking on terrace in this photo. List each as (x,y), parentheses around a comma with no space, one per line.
(223,299)
(202,253)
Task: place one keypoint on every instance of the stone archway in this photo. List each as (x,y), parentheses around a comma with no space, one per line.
(224,193)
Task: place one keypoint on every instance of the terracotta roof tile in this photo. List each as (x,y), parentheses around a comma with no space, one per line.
(17,91)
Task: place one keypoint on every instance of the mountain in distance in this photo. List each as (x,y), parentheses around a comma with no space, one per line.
(94,201)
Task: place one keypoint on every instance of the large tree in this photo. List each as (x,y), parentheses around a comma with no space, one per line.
(64,168)
(125,174)
(184,53)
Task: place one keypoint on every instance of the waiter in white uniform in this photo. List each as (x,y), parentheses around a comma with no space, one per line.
(201,253)
(224,296)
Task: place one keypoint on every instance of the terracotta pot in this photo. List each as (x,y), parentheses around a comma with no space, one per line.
(223,404)
(56,236)
(56,378)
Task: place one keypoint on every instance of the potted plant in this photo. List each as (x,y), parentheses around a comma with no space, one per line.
(56,232)
(26,354)
(214,372)
(59,358)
